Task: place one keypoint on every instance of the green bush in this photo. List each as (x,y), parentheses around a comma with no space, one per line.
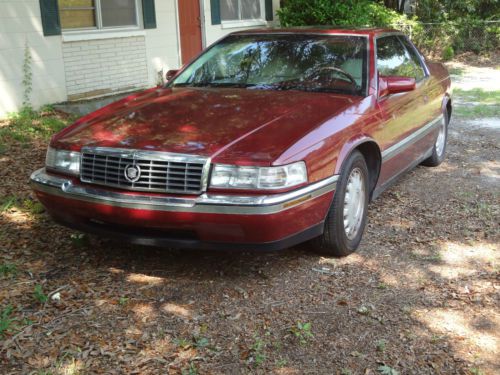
(339,13)
(448,53)
(452,26)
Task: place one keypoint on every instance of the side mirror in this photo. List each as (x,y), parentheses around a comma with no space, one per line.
(171,74)
(395,85)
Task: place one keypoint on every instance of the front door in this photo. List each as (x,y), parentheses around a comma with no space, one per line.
(190,29)
(403,114)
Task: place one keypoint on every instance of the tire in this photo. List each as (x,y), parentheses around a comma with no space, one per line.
(338,239)
(439,148)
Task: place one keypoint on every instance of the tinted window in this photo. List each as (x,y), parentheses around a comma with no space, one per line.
(394,60)
(282,62)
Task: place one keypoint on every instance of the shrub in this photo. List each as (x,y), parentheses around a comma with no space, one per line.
(339,13)
(448,53)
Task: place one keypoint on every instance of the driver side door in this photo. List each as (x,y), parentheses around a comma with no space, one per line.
(401,113)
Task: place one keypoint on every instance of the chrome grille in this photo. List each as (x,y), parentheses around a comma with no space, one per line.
(159,171)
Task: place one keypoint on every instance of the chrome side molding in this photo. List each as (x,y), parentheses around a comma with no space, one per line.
(411,139)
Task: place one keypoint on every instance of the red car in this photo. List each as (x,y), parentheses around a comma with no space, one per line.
(269,138)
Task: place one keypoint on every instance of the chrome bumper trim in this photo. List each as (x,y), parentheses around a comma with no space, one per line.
(205,203)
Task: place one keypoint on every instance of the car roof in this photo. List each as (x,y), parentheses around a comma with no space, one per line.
(362,31)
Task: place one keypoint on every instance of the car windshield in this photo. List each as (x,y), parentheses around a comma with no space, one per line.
(319,63)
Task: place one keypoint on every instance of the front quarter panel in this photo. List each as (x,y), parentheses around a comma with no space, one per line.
(327,146)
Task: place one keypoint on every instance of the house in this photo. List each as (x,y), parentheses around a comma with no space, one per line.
(79,49)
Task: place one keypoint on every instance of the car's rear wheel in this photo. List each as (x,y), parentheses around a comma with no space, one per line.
(439,148)
(346,219)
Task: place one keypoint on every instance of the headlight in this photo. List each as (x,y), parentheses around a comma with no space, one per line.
(235,177)
(63,161)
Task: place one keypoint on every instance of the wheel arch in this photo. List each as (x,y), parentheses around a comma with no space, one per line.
(447,105)
(373,158)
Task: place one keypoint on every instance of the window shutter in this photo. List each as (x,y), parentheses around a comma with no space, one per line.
(149,14)
(269,10)
(50,17)
(215,11)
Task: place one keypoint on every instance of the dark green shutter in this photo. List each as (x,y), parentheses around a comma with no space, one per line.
(269,10)
(215,11)
(50,17)
(149,14)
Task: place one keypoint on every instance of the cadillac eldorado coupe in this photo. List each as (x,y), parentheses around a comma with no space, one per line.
(269,138)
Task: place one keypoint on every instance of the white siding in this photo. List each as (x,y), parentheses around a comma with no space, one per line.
(162,43)
(20,22)
(215,32)
(81,66)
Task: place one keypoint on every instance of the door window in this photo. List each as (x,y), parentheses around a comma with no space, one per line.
(393,59)
(415,58)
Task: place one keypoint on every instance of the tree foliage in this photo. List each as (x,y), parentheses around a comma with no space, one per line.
(453,10)
(340,13)
(460,24)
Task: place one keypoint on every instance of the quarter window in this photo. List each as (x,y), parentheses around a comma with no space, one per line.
(394,60)
(240,10)
(415,58)
(97,14)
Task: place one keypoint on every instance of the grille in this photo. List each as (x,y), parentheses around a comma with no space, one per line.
(159,172)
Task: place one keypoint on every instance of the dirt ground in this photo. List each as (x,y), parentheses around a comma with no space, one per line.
(421,296)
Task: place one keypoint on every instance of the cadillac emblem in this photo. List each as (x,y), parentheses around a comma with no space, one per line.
(132,173)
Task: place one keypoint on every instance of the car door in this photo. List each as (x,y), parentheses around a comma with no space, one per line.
(432,91)
(402,114)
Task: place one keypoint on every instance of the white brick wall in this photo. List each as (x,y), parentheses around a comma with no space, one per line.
(104,66)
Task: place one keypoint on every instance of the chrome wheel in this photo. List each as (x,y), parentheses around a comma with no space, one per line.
(441,139)
(354,203)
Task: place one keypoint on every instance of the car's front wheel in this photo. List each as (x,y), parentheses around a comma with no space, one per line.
(346,219)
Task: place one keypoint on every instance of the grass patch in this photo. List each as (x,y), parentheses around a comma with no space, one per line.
(27,205)
(456,71)
(7,203)
(478,103)
(8,269)
(28,124)
(479,95)
(7,322)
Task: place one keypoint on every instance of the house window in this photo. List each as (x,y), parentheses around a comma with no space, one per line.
(97,14)
(241,10)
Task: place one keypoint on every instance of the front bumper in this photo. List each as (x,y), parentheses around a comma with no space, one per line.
(205,221)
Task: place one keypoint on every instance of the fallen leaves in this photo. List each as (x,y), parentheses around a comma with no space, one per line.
(421,295)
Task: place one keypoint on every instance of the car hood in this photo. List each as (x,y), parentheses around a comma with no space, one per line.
(242,124)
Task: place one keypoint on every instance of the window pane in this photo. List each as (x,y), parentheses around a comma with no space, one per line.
(77,14)
(250,9)
(393,59)
(77,19)
(419,70)
(229,10)
(118,13)
(76,3)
